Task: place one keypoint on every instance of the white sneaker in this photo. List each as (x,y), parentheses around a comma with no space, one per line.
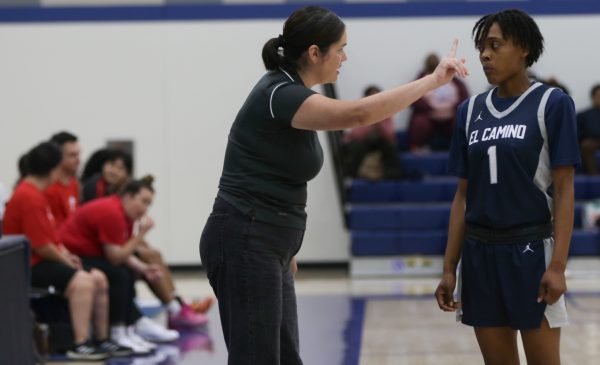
(151,331)
(139,340)
(121,338)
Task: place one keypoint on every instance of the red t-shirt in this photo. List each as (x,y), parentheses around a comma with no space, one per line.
(28,213)
(63,200)
(99,222)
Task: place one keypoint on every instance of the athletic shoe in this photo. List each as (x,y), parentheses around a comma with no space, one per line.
(121,337)
(149,330)
(187,318)
(114,349)
(86,352)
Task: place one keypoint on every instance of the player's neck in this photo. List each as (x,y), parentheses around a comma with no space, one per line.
(514,87)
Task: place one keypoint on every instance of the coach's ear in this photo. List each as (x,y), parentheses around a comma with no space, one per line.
(313,54)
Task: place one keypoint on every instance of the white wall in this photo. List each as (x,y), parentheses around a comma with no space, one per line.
(174,88)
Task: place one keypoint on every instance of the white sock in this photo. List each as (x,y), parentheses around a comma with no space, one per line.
(174,307)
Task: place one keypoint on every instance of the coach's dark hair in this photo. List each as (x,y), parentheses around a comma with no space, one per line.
(517,26)
(63,137)
(306,26)
(134,186)
(41,159)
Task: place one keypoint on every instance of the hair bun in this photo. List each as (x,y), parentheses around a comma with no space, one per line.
(148,179)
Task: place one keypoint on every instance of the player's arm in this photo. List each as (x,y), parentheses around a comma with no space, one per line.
(553,283)
(456,235)
(318,112)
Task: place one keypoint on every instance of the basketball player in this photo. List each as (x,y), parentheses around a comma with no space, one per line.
(514,150)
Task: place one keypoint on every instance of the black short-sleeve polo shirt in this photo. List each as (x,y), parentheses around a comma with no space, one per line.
(267,161)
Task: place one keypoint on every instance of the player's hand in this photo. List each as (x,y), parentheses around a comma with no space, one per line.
(450,66)
(552,286)
(444,293)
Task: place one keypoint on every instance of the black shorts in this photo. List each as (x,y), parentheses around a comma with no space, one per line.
(52,274)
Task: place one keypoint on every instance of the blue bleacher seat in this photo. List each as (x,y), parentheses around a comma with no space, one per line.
(411,216)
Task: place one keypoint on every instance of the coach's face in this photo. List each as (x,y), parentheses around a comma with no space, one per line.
(331,62)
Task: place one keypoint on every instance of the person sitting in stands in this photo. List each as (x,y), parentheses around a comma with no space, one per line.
(432,120)
(105,173)
(101,232)
(370,151)
(28,213)
(63,194)
(116,167)
(588,125)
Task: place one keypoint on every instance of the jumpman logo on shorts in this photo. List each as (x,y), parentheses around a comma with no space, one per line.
(527,248)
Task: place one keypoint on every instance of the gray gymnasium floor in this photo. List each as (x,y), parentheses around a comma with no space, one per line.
(347,321)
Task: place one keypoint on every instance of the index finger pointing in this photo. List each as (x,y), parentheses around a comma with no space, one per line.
(452,53)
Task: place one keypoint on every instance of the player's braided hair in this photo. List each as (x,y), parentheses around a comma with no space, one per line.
(517,26)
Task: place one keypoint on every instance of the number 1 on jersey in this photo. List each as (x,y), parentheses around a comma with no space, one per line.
(493,165)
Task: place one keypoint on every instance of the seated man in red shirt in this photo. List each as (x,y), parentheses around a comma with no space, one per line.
(101,232)
(28,213)
(63,194)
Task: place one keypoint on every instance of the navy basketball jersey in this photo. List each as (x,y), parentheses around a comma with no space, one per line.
(506,148)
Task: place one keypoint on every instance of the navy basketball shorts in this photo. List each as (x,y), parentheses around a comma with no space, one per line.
(498,285)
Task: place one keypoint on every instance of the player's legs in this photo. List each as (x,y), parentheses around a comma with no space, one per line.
(498,345)
(542,345)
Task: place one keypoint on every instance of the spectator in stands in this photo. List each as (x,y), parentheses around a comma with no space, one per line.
(28,213)
(432,120)
(370,151)
(553,81)
(101,232)
(63,194)
(588,125)
(105,173)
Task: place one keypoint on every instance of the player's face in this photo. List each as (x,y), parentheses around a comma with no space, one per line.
(332,60)
(70,161)
(502,60)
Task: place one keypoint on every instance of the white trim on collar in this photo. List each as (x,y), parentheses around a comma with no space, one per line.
(496,113)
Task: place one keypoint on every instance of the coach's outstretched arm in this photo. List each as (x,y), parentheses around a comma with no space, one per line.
(319,112)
